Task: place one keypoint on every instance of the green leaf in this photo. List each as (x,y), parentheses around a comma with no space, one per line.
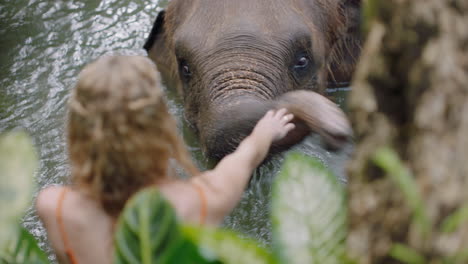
(459,257)
(308,213)
(147,232)
(227,246)
(24,250)
(369,11)
(453,221)
(406,254)
(388,160)
(18,162)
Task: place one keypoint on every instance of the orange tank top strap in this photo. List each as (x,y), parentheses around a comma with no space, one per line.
(61,226)
(203,202)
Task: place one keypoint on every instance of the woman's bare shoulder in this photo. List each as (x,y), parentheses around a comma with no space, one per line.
(46,201)
(183,197)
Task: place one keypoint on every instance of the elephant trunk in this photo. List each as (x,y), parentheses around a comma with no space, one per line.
(226,126)
(241,87)
(239,94)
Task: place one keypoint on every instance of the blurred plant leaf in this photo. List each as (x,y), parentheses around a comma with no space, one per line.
(406,254)
(227,246)
(147,232)
(369,13)
(24,249)
(453,221)
(18,162)
(308,213)
(459,257)
(388,160)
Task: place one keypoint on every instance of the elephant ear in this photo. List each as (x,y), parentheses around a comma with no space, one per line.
(156,31)
(345,52)
(158,46)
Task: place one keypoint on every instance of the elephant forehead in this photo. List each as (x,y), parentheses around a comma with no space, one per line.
(211,20)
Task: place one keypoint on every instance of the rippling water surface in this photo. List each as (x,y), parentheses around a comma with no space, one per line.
(43,46)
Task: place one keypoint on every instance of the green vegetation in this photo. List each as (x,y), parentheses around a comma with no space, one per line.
(308,211)
(453,221)
(308,215)
(309,225)
(224,246)
(148,232)
(309,221)
(388,160)
(24,249)
(18,162)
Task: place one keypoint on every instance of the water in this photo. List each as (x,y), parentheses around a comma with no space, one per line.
(44,44)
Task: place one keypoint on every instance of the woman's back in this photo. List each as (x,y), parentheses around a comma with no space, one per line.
(76,223)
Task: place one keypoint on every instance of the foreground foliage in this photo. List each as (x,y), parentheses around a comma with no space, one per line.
(18,162)
(409,94)
(309,226)
(148,232)
(388,160)
(308,214)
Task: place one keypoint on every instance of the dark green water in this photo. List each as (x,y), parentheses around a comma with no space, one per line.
(43,46)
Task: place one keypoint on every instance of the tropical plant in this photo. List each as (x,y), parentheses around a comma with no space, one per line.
(18,162)
(23,249)
(148,232)
(308,202)
(309,225)
(389,161)
(308,215)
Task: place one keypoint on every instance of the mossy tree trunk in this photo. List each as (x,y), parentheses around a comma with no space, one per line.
(410,92)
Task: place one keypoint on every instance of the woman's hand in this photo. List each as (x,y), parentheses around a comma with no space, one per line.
(274,125)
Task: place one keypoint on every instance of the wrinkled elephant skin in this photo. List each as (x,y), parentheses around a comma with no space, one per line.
(231,61)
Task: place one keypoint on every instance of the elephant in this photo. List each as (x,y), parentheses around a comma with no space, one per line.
(231,61)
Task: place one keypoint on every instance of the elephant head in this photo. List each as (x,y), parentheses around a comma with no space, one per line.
(231,61)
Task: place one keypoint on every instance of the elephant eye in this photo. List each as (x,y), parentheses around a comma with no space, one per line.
(302,62)
(302,65)
(185,69)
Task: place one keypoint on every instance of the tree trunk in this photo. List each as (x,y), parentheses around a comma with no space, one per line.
(410,92)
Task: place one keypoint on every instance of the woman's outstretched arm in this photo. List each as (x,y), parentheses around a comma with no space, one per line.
(225,184)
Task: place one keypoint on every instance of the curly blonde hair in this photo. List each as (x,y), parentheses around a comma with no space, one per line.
(120,133)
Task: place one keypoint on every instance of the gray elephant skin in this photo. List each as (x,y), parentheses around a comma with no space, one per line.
(231,61)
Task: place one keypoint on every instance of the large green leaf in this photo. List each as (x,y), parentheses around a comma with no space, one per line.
(227,246)
(18,161)
(24,250)
(147,232)
(308,213)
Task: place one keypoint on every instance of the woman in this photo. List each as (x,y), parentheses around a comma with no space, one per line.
(121,138)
